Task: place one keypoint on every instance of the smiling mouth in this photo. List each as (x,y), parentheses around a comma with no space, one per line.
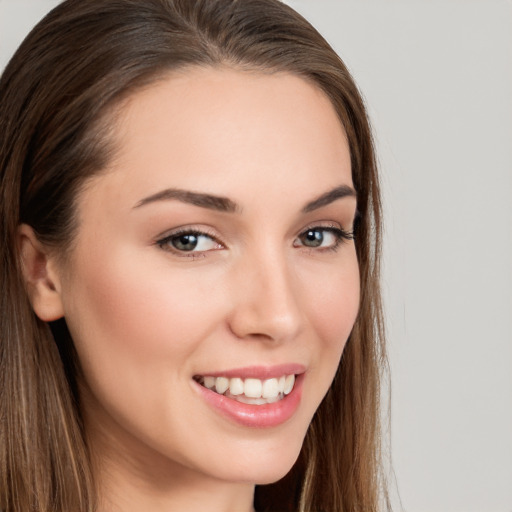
(250,391)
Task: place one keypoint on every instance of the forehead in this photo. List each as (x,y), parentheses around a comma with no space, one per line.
(224,130)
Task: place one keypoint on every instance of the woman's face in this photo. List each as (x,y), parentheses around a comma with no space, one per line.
(215,250)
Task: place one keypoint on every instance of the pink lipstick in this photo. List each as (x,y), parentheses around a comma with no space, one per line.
(256,396)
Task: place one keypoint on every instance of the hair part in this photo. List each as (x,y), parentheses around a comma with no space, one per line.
(58,101)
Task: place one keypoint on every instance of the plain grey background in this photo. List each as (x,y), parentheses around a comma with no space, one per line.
(437,78)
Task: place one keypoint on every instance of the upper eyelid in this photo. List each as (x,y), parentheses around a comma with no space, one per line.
(207,232)
(188,230)
(163,243)
(322,225)
(325,225)
(337,230)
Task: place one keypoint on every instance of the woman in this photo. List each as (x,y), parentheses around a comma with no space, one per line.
(191,221)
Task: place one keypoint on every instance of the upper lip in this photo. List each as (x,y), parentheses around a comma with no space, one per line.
(258,372)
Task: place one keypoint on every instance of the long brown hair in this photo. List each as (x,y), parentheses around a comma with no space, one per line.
(57,99)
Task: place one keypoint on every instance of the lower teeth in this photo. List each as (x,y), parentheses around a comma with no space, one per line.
(254,401)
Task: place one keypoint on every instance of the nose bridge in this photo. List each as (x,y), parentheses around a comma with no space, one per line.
(267,303)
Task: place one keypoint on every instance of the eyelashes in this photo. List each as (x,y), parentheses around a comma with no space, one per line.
(187,242)
(193,243)
(190,241)
(321,237)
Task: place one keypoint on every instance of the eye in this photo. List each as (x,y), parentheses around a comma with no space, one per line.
(189,242)
(323,237)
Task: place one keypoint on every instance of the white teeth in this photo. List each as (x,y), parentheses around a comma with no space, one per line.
(288,385)
(251,391)
(236,386)
(209,382)
(221,385)
(252,388)
(270,388)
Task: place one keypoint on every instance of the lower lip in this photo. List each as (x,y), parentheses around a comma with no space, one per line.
(259,416)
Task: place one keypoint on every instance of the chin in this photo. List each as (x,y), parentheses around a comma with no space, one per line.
(273,475)
(266,465)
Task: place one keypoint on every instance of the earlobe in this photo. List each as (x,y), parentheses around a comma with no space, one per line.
(41,278)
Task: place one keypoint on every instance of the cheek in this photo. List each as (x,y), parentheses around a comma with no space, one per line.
(125,313)
(335,304)
(333,307)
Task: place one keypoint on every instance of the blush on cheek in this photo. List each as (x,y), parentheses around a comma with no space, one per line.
(150,310)
(337,304)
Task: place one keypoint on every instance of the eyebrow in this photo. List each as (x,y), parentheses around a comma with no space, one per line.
(221,204)
(224,204)
(329,197)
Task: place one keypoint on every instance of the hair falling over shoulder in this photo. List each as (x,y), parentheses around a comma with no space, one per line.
(56,97)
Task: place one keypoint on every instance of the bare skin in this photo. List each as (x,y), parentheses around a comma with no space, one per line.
(162,287)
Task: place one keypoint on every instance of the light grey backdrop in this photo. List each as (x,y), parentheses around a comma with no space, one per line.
(437,77)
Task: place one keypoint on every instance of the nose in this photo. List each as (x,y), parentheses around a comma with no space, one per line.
(266,303)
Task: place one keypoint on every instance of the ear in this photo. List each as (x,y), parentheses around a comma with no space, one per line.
(40,275)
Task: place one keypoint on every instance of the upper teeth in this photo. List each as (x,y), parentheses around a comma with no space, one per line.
(251,388)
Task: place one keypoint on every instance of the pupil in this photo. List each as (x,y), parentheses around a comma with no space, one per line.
(185,242)
(314,238)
